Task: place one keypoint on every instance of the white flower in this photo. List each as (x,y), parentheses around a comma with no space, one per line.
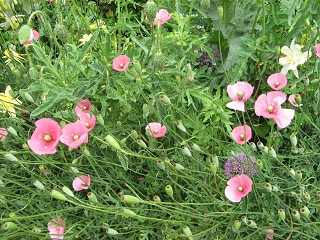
(293,58)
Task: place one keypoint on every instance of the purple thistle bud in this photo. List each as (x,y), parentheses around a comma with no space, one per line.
(240,164)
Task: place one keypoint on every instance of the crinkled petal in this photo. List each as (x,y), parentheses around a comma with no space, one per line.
(236,105)
(284,117)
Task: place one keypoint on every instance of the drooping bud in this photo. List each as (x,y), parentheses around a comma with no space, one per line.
(113,142)
(169,191)
(282,214)
(58,195)
(220,11)
(298,175)
(295,215)
(111,231)
(293,140)
(185,150)
(12,131)
(100,119)
(186,230)
(164,99)
(67,191)
(24,34)
(156,198)
(128,213)
(130,199)
(150,9)
(38,185)
(92,197)
(10,157)
(141,143)
(305,211)
(181,127)
(253,146)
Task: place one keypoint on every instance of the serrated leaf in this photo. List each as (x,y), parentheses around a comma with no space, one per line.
(141,45)
(123,160)
(45,106)
(97,67)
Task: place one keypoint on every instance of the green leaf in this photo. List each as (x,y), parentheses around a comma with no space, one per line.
(87,46)
(123,160)
(143,47)
(45,106)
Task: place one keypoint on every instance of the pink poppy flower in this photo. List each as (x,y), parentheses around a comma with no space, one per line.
(269,106)
(277,81)
(82,107)
(162,17)
(242,134)
(270,236)
(155,130)
(74,134)
(238,187)
(239,92)
(318,50)
(82,182)
(34,35)
(292,100)
(88,121)
(121,63)
(45,137)
(3,134)
(56,228)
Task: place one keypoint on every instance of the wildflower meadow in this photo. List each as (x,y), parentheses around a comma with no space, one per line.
(159,119)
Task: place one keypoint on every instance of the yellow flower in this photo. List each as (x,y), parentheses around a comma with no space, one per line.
(85,38)
(7,102)
(11,55)
(99,24)
(13,21)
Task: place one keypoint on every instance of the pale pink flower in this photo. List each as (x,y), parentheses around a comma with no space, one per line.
(3,134)
(87,120)
(242,134)
(239,92)
(318,50)
(238,187)
(277,81)
(34,35)
(270,236)
(82,107)
(45,137)
(56,228)
(82,182)
(74,134)
(269,106)
(121,63)
(156,130)
(292,100)
(162,17)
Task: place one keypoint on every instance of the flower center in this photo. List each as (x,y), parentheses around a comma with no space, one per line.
(242,136)
(47,138)
(155,131)
(270,109)
(276,84)
(290,59)
(84,107)
(75,137)
(84,183)
(240,95)
(87,124)
(121,65)
(240,189)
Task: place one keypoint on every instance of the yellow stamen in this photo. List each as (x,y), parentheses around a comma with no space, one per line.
(240,95)
(47,138)
(75,137)
(87,125)
(121,65)
(270,109)
(242,136)
(276,84)
(240,189)
(155,131)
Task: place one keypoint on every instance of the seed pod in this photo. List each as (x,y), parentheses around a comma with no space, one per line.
(295,215)
(220,11)
(298,175)
(113,142)
(9,225)
(268,187)
(251,224)
(164,99)
(186,151)
(141,143)
(130,199)
(92,197)
(181,127)
(293,140)
(12,131)
(100,119)
(128,213)
(161,165)
(10,157)
(213,168)
(38,185)
(111,231)
(305,211)
(67,191)
(186,230)
(195,147)
(58,195)
(169,190)
(272,153)
(259,164)
(237,224)
(156,198)
(253,146)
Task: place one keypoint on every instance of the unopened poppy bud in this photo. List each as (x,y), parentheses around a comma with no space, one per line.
(297,98)
(293,140)
(298,175)
(259,164)
(251,224)
(195,147)
(38,185)
(12,131)
(181,127)
(305,211)
(178,166)
(92,197)
(164,99)
(141,143)
(260,145)
(9,225)
(244,219)
(67,191)
(265,149)
(237,224)
(130,199)
(10,157)
(214,159)
(220,12)
(100,119)
(186,230)
(58,195)
(186,151)
(161,165)
(213,168)
(111,231)
(113,142)
(169,190)
(268,187)
(277,50)
(295,215)
(24,34)
(253,146)
(128,213)
(150,9)
(156,198)
(137,66)
(282,214)
(272,153)
(292,173)
(306,197)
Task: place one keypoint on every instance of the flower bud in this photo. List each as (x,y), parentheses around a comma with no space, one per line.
(113,142)
(306,197)
(295,215)
(186,151)
(277,50)
(150,9)
(128,213)
(61,32)
(178,166)
(272,153)
(58,195)
(10,157)
(253,146)
(169,190)
(181,127)
(156,198)
(195,147)
(92,197)
(260,145)
(220,11)
(268,187)
(305,211)
(164,99)
(24,34)
(298,175)
(161,165)
(100,119)
(293,140)
(130,199)
(12,131)
(67,191)
(251,224)
(260,164)
(9,225)
(111,231)
(141,143)
(213,168)
(186,230)
(38,185)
